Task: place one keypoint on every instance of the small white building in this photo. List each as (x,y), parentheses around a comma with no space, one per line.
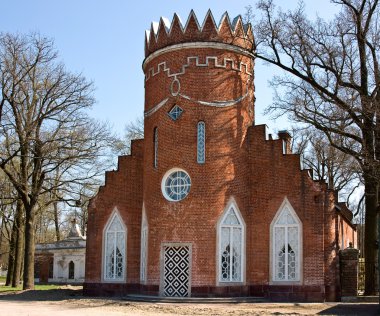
(62,261)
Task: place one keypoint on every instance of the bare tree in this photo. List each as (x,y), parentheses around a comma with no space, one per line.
(132,130)
(44,127)
(331,81)
(338,169)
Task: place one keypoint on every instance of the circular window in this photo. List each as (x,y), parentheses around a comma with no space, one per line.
(176,185)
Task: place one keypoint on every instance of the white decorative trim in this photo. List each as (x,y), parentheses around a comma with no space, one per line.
(214,45)
(172,24)
(174,91)
(222,18)
(209,13)
(156,107)
(219,104)
(192,14)
(144,246)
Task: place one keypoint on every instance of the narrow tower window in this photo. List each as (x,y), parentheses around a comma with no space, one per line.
(201,142)
(155,147)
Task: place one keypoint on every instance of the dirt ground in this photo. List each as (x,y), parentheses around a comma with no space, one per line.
(69,301)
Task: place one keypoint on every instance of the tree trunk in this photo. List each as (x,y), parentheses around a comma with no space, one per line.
(56,221)
(11,257)
(29,249)
(370,244)
(1,235)
(19,244)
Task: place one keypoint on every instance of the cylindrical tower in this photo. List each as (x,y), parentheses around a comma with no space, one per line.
(199,101)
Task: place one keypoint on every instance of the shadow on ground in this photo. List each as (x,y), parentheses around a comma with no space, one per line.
(38,295)
(352,309)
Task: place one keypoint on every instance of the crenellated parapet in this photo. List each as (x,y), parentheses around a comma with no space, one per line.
(164,33)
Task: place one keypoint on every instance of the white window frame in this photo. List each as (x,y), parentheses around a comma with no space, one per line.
(114,214)
(164,186)
(299,257)
(231,204)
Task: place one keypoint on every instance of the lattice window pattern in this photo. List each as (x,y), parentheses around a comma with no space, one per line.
(115,250)
(286,254)
(201,142)
(177,271)
(231,245)
(175,112)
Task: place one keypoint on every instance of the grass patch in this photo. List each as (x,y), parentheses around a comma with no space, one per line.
(37,287)
(3,279)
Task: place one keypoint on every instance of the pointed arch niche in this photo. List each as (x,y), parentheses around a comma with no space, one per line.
(286,246)
(114,249)
(144,247)
(231,245)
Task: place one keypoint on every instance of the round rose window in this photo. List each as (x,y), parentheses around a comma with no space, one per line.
(176,185)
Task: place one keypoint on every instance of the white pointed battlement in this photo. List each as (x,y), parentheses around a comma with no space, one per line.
(164,33)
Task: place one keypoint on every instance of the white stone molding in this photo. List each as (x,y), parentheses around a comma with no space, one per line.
(219,104)
(162,67)
(156,107)
(144,246)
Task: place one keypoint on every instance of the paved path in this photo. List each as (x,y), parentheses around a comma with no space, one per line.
(70,302)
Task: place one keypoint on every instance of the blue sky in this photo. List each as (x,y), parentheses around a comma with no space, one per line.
(105,41)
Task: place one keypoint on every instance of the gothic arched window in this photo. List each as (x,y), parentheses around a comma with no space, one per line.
(286,244)
(231,245)
(114,252)
(201,142)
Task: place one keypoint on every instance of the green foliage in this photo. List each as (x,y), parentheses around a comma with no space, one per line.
(38,287)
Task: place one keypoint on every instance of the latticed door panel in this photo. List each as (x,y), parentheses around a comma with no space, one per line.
(176,271)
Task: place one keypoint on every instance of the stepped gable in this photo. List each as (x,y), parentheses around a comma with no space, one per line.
(164,33)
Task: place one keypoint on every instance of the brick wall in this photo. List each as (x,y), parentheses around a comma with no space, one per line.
(123,190)
(349,271)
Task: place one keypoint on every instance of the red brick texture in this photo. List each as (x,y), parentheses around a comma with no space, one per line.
(123,190)
(241,164)
(349,258)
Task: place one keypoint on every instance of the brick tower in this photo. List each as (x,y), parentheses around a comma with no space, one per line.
(198,105)
(207,204)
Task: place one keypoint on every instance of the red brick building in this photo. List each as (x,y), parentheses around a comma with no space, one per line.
(208,204)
